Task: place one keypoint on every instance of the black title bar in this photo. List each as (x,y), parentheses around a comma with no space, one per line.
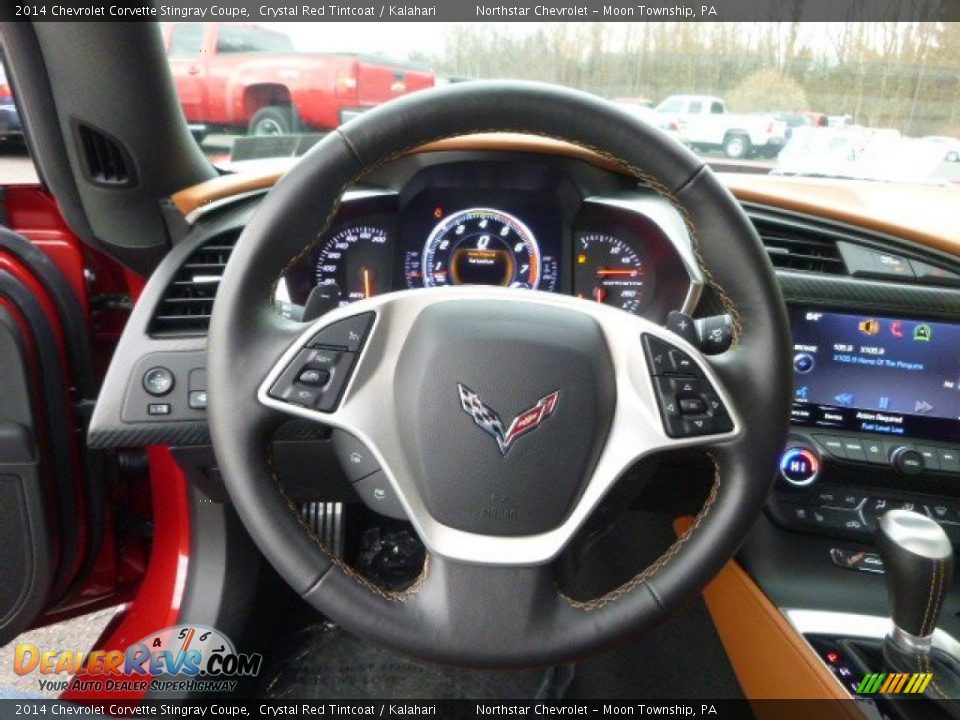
(483,10)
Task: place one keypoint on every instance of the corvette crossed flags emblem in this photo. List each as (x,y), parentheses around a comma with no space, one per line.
(488,420)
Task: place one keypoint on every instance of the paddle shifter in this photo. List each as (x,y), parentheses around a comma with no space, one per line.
(918,560)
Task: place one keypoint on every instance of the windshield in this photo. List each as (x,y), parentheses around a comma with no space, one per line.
(877,101)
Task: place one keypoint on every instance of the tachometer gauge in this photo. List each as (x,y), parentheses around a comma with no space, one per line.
(609,270)
(481,247)
(357,261)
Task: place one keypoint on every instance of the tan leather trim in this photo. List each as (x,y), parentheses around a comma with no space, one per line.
(771,660)
(923,214)
(263,177)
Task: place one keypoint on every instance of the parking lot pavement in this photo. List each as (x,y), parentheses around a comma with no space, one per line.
(16,167)
(78,634)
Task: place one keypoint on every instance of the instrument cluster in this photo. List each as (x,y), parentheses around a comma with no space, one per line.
(529,238)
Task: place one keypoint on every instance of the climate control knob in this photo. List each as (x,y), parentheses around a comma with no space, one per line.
(799,466)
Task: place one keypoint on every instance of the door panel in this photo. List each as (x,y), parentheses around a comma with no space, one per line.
(27,561)
(52,487)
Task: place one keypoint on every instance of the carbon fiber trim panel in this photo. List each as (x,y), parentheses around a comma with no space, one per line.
(850,294)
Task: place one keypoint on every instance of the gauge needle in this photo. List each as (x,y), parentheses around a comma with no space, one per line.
(367,282)
(604,272)
(599,294)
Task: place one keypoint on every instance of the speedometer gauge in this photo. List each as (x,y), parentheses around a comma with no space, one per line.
(357,261)
(482,247)
(611,271)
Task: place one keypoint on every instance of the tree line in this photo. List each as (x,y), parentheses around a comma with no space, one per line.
(883,74)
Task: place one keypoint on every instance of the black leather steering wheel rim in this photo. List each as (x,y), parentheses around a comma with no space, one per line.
(477,615)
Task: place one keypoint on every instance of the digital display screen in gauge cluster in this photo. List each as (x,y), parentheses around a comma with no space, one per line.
(480,244)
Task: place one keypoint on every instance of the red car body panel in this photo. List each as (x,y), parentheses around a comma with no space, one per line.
(157,603)
(226,89)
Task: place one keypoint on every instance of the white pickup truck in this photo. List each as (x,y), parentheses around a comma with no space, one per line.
(703,123)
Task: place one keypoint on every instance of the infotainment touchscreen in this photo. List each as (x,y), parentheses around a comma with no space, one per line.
(869,373)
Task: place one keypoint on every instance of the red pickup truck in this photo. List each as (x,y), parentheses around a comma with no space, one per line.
(244,77)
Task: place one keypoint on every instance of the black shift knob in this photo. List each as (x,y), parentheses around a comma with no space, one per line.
(918,561)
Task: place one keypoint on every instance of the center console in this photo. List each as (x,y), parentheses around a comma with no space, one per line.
(876,425)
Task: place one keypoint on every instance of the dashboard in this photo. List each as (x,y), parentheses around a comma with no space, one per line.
(530,226)
(876,417)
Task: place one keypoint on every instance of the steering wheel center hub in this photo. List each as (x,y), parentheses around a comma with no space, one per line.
(505,407)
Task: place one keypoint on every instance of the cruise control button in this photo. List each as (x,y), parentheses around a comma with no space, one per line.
(348,333)
(355,458)
(302,396)
(312,376)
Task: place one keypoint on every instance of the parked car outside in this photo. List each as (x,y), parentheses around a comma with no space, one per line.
(248,78)
(951,146)
(703,123)
(10,127)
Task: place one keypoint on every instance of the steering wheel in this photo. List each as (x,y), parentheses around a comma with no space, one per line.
(430,379)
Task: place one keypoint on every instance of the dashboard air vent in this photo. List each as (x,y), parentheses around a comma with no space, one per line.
(184,310)
(106,162)
(800,249)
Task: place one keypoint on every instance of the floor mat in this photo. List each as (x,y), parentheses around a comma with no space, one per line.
(327,663)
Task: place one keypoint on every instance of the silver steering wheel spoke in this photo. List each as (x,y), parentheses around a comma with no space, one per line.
(343,372)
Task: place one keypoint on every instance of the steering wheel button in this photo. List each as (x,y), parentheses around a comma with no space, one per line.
(355,458)
(699,425)
(348,334)
(339,375)
(683,364)
(692,406)
(658,355)
(378,495)
(302,396)
(311,376)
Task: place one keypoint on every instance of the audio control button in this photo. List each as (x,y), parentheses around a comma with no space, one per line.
(949,460)
(907,460)
(873,451)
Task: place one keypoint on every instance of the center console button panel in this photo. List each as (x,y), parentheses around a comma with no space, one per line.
(837,511)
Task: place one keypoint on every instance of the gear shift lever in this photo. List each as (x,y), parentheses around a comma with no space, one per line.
(918,561)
